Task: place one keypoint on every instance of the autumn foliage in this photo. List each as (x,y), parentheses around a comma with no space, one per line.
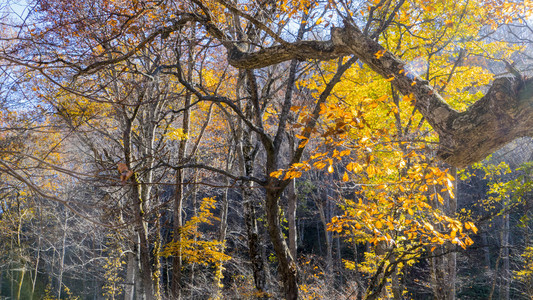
(264,149)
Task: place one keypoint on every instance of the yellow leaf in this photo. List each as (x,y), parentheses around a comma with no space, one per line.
(276,174)
(379,54)
(319,165)
(330,169)
(345,177)
(439,197)
(370,170)
(473,227)
(453,233)
(379,224)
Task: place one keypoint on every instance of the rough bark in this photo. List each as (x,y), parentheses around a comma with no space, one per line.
(144,250)
(247,153)
(129,284)
(175,288)
(140,227)
(286,265)
(327,234)
(179,198)
(254,244)
(506,274)
(292,206)
(502,115)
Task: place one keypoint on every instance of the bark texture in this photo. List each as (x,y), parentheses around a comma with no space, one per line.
(502,115)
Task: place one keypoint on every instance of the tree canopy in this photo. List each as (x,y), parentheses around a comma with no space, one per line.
(180,136)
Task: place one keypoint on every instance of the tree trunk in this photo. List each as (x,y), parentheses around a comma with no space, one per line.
(246,154)
(144,250)
(177,224)
(62,260)
(486,249)
(178,200)
(157,259)
(286,265)
(129,285)
(222,231)
(291,217)
(254,243)
(506,273)
(329,247)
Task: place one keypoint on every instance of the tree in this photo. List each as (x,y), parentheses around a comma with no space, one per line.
(133,53)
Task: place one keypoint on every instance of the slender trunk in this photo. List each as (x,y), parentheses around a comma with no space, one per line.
(37,260)
(452,253)
(62,262)
(178,200)
(157,259)
(339,263)
(21,280)
(443,264)
(21,254)
(495,276)
(486,249)
(144,251)
(291,217)
(286,265)
(178,223)
(139,290)
(327,235)
(254,244)
(246,156)
(129,285)
(292,206)
(222,230)
(506,275)
(396,288)
(195,238)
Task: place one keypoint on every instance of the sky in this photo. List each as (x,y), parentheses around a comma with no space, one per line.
(17,8)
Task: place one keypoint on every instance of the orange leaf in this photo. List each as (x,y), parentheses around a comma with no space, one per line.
(345,177)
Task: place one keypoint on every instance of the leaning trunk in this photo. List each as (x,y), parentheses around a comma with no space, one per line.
(286,265)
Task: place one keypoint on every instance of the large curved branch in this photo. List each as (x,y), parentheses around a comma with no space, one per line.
(502,115)
(302,50)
